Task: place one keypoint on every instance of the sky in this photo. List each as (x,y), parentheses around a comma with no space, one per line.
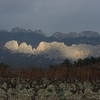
(51,15)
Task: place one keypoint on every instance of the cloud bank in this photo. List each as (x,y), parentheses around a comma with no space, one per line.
(51,15)
(55,50)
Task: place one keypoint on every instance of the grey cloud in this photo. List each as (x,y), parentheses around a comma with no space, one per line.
(51,15)
(14,7)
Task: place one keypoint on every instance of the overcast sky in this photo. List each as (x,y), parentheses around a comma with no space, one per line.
(51,15)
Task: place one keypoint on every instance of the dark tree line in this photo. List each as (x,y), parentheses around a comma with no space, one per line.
(87,62)
(82,69)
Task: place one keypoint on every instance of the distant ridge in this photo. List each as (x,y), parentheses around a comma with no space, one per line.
(34,37)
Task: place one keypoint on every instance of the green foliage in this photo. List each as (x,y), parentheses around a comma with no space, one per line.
(68,63)
(4,66)
(82,62)
(87,61)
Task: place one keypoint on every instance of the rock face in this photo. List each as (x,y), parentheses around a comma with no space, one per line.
(44,89)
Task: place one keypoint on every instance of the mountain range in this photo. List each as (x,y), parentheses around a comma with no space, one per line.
(34,38)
